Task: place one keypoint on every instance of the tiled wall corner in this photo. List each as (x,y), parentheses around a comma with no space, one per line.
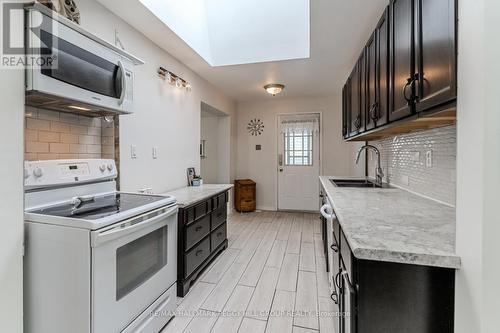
(58,135)
(403,159)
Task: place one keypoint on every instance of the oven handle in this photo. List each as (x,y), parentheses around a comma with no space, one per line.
(121,229)
(124,82)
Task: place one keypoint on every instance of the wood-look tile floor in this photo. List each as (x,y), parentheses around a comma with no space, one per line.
(274,265)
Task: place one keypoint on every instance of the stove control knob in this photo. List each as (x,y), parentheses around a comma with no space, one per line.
(102,167)
(110,167)
(38,172)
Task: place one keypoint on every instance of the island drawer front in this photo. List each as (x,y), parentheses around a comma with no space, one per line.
(219,235)
(197,231)
(220,199)
(197,255)
(195,212)
(219,216)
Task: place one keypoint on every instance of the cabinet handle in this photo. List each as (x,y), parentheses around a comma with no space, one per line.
(416,78)
(198,252)
(373,112)
(219,234)
(198,228)
(357,122)
(409,83)
(219,215)
(336,281)
(335,297)
(334,247)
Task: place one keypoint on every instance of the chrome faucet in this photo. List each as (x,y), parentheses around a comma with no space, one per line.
(379,174)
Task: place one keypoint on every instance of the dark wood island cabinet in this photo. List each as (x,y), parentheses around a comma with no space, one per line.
(202,235)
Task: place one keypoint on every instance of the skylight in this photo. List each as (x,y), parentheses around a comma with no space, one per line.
(232,32)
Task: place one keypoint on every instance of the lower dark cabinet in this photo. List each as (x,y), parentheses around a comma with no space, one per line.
(378,296)
(202,236)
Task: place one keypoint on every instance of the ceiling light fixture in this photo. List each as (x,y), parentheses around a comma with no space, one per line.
(274,88)
(174,79)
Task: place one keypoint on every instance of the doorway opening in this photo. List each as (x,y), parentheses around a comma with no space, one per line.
(299,161)
(215,145)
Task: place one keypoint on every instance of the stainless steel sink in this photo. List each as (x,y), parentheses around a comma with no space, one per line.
(358,183)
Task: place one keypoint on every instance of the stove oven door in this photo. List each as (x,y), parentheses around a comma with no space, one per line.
(133,263)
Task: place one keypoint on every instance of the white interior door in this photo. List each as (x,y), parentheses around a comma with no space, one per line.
(298,161)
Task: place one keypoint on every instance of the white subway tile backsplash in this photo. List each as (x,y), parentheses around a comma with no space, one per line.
(403,159)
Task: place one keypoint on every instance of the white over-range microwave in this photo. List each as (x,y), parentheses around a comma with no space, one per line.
(73,70)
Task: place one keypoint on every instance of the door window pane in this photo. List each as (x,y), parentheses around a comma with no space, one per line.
(139,260)
(298,148)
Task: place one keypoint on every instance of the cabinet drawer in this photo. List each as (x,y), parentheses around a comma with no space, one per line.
(220,199)
(346,254)
(219,216)
(197,255)
(219,235)
(197,231)
(198,211)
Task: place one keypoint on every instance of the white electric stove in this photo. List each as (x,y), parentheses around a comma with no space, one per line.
(96,259)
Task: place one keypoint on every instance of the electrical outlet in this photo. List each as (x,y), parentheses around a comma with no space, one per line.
(133,151)
(428,159)
(405,180)
(155,153)
(415,156)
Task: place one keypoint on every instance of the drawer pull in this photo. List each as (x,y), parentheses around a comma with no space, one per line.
(219,234)
(334,247)
(198,228)
(198,252)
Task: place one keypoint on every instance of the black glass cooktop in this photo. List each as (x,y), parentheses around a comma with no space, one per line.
(94,208)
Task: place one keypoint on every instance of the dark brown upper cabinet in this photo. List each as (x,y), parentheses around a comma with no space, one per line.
(435,51)
(371,82)
(345,111)
(406,71)
(354,102)
(382,67)
(402,68)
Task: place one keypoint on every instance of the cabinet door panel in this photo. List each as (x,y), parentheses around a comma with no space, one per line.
(402,59)
(383,69)
(354,102)
(345,110)
(436,52)
(362,91)
(371,82)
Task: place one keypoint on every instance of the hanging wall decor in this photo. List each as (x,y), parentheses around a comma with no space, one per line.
(66,8)
(255,127)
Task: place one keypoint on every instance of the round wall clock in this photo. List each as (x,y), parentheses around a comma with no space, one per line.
(255,127)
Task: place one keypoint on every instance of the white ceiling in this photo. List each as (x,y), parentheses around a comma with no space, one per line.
(339,30)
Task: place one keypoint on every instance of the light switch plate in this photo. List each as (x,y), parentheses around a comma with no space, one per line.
(415,156)
(133,151)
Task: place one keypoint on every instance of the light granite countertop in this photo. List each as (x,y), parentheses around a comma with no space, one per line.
(191,194)
(394,225)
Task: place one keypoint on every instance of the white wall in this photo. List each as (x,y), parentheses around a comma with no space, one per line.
(165,116)
(11,199)
(478,163)
(261,165)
